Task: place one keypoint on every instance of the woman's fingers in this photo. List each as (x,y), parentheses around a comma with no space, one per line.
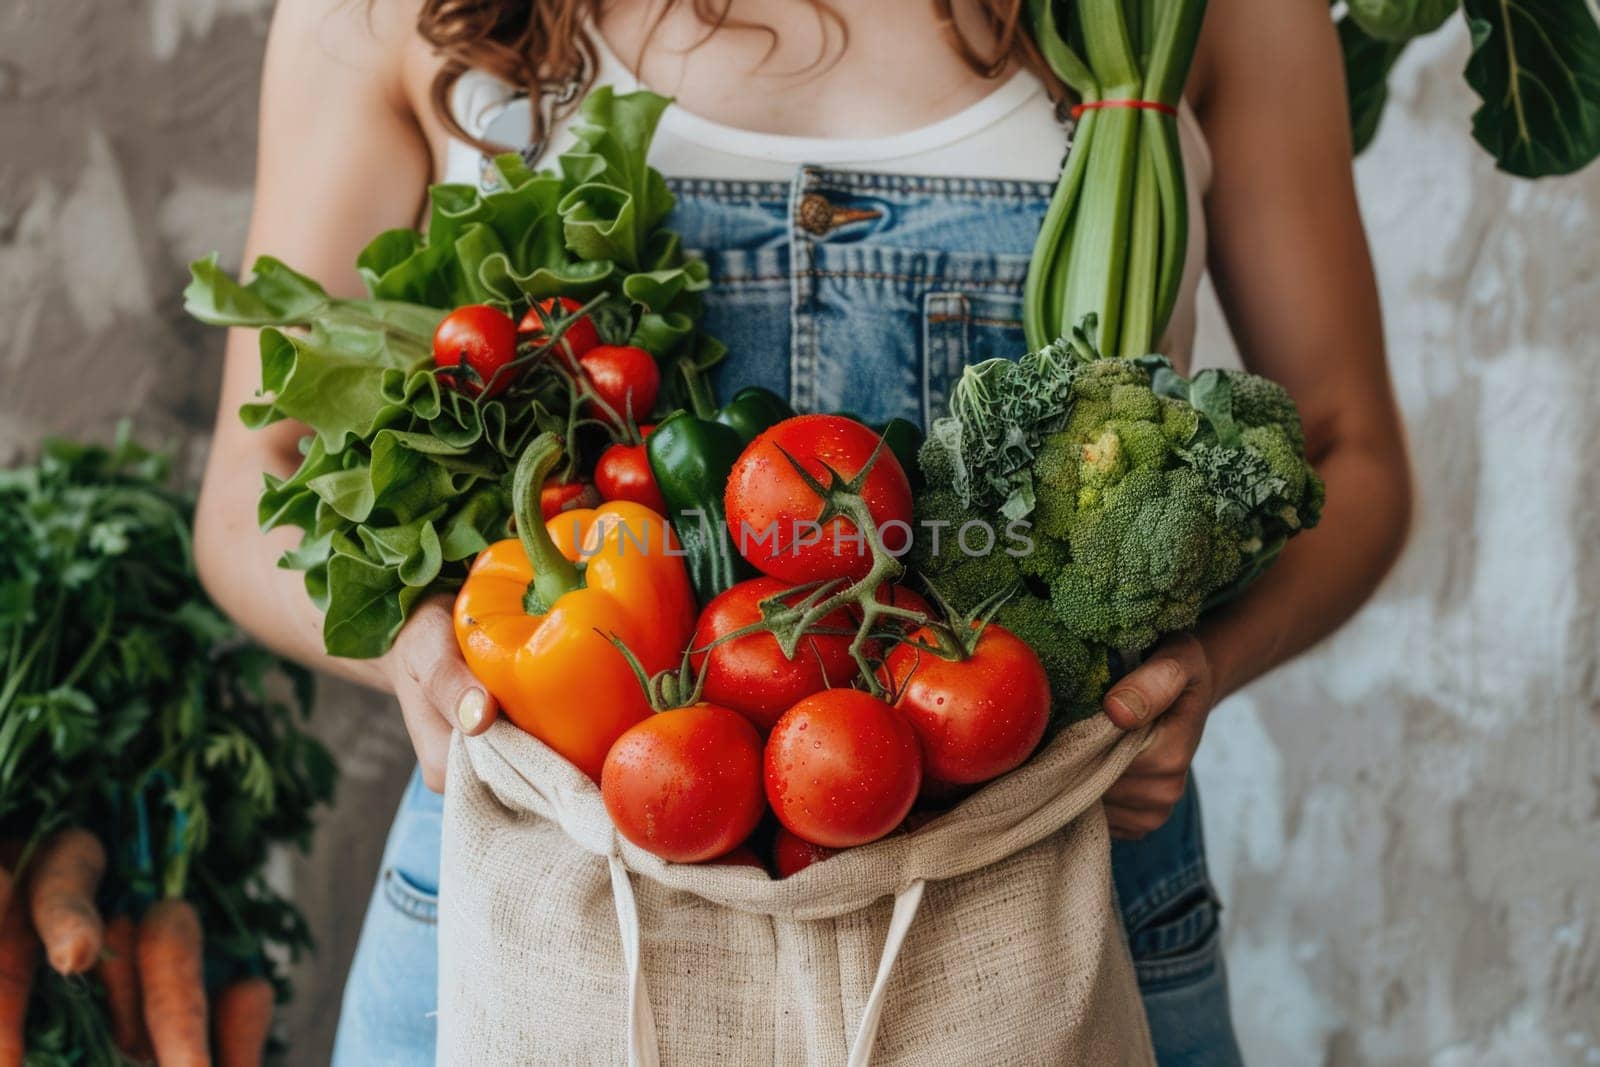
(1156,794)
(1155,685)
(1132,825)
(430,735)
(437,692)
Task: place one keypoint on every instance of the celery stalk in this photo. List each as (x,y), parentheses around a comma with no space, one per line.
(1098,256)
(1113,241)
(1141,290)
(1041,292)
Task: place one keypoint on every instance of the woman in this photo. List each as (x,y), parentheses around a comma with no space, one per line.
(865,185)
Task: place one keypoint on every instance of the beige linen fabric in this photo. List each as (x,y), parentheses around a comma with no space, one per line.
(989,935)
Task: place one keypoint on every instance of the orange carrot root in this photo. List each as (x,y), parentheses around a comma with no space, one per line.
(171,978)
(119,971)
(62,889)
(242,1020)
(19,957)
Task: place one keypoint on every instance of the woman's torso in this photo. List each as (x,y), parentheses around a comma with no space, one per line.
(858,274)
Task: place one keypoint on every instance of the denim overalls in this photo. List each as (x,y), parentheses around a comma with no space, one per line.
(866,293)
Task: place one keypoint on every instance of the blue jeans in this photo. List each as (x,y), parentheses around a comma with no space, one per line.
(869,293)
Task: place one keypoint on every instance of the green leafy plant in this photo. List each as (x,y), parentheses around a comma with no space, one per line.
(132,709)
(404,478)
(1535,67)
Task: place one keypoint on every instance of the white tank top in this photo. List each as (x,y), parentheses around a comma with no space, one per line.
(1011,134)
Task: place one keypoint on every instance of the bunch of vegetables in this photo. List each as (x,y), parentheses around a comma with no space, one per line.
(149,759)
(821,690)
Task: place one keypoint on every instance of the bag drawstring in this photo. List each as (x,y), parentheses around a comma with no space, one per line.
(906,903)
(642,1049)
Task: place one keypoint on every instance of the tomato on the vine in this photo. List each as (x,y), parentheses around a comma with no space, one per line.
(842,768)
(772,513)
(482,337)
(750,674)
(792,854)
(580,337)
(897,596)
(623,473)
(977,717)
(685,784)
(625,377)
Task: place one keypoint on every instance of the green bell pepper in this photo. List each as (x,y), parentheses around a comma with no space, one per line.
(752,410)
(691,458)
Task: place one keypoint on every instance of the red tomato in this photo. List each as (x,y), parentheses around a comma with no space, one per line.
(580,336)
(484,338)
(772,513)
(791,854)
(556,497)
(979,717)
(626,378)
(743,856)
(623,473)
(685,784)
(842,768)
(750,674)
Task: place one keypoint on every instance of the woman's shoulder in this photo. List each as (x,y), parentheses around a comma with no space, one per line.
(338,44)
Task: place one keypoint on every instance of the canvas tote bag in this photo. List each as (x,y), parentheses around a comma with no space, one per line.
(988,936)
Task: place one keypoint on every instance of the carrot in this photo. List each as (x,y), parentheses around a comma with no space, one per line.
(170,975)
(62,889)
(240,1023)
(119,972)
(19,957)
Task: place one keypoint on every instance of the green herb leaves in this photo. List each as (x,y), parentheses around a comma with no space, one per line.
(404,478)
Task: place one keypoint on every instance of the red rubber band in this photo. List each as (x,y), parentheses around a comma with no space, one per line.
(1140,105)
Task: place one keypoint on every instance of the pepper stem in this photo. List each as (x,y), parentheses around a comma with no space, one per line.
(553,573)
(701,400)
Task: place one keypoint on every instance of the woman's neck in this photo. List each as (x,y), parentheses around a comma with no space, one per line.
(876,69)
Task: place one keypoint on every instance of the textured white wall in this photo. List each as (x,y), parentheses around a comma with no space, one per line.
(1403,823)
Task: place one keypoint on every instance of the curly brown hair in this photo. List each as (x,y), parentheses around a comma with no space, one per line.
(526,43)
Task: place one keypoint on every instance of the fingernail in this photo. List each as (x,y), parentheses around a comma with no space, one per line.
(469,713)
(1132,703)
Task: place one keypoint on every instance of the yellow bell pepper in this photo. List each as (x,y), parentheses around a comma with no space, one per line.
(535,615)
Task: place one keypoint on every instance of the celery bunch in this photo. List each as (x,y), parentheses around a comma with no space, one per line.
(1113,241)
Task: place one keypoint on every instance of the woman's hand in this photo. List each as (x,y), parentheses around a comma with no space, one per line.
(1175,688)
(437,692)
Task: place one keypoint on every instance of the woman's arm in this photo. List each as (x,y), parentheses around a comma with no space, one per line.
(341,157)
(1290,263)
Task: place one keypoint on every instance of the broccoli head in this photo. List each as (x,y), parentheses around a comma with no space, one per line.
(1148,497)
